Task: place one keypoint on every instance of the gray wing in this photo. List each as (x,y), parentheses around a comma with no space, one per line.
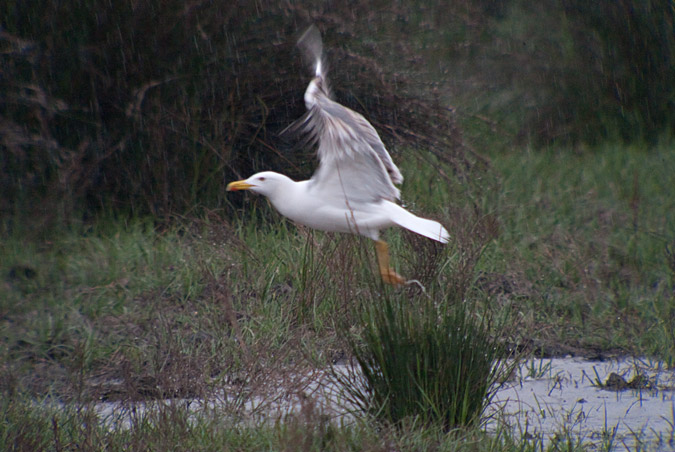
(353,160)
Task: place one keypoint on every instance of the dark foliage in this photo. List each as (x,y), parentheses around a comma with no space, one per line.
(628,48)
(151,106)
(578,71)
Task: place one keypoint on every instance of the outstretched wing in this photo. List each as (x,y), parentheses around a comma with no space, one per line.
(353,160)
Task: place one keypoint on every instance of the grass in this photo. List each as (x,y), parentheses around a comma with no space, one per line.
(585,238)
(427,362)
(572,247)
(27,428)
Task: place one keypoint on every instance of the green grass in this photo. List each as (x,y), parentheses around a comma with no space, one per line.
(572,247)
(170,428)
(428,362)
(584,238)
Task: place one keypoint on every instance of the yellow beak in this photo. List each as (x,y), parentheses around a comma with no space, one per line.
(238,185)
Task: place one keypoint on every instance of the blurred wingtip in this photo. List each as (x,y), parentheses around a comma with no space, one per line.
(311,44)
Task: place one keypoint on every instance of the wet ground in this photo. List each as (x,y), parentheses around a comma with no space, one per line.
(625,404)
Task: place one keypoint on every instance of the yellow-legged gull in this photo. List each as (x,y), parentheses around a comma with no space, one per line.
(353,188)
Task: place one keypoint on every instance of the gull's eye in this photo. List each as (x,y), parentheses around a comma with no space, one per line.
(261,179)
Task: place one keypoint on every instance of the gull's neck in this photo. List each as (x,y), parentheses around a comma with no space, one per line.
(288,196)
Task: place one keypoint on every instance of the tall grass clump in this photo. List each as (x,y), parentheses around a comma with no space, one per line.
(427,363)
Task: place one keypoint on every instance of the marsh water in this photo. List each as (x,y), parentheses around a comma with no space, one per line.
(545,400)
(569,397)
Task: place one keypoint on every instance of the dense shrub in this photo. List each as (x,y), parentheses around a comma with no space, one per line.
(150,106)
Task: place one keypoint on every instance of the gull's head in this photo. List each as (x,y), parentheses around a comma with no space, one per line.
(267,183)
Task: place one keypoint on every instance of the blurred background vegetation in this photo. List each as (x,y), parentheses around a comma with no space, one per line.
(151,106)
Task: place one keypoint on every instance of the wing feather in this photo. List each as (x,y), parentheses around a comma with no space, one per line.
(350,150)
(353,161)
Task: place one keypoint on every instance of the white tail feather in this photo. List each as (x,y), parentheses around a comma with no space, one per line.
(428,228)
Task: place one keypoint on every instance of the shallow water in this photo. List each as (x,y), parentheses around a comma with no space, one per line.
(546,401)
(559,398)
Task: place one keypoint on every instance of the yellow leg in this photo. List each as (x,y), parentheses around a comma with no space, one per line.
(388,274)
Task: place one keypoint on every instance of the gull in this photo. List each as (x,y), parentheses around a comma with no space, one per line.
(352,190)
